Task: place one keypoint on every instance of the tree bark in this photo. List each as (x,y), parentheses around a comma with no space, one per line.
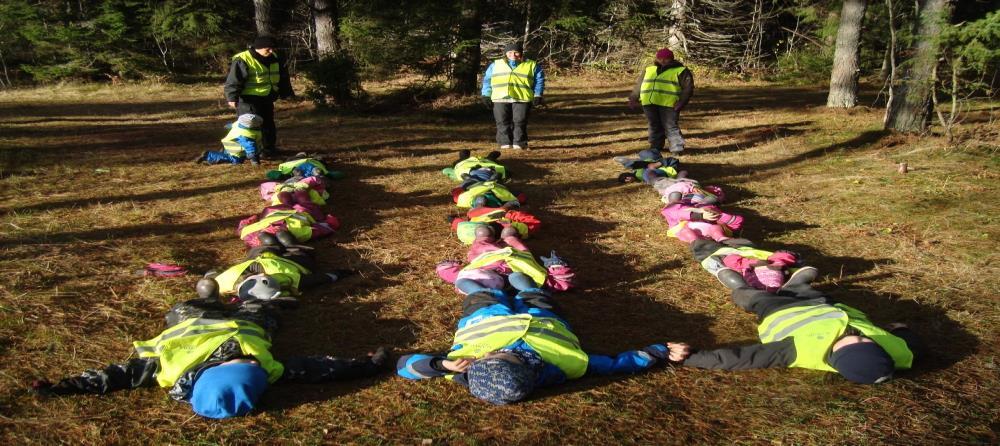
(327,34)
(262,17)
(910,109)
(675,34)
(845,72)
(467,54)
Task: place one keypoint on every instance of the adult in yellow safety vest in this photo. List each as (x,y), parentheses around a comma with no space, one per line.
(505,347)
(215,357)
(511,86)
(663,89)
(257,77)
(800,327)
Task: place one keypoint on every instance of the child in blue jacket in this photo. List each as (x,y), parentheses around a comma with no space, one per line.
(239,144)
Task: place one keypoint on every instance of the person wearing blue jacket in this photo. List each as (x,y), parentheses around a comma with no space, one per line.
(239,144)
(506,347)
(511,86)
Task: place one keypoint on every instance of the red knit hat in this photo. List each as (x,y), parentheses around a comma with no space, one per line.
(664,53)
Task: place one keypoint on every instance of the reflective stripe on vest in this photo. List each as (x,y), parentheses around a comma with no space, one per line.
(229,143)
(299,224)
(519,261)
(314,196)
(287,167)
(713,263)
(815,328)
(260,79)
(547,336)
(465,166)
(465,198)
(670,172)
(286,271)
(517,84)
(663,89)
(191,342)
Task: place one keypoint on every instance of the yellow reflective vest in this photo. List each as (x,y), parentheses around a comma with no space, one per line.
(191,342)
(548,336)
(518,261)
(287,272)
(314,196)
(465,166)
(260,80)
(287,167)
(229,143)
(517,84)
(299,224)
(502,193)
(815,328)
(663,89)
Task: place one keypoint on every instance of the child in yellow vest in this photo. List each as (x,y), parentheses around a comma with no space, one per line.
(240,144)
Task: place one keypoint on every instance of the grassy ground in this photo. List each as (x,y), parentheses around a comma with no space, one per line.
(96,182)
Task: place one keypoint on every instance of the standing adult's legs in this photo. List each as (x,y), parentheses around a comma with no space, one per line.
(502,112)
(670,121)
(521,110)
(264,109)
(657,131)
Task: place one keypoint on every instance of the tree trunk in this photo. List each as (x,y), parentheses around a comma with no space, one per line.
(910,110)
(465,66)
(675,34)
(845,72)
(262,17)
(327,38)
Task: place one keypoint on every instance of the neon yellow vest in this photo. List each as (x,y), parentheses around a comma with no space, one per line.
(519,261)
(670,172)
(746,251)
(287,167)
(549,337)
(517,84)
(286,271)
(299,224)
(314,195)
(465,166)
(229,143)
(815,328)
(466,198)
(663,90)
(192,341)
(260,79)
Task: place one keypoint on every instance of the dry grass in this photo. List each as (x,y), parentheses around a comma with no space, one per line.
(917,248)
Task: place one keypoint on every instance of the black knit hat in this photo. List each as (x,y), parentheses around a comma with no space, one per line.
(513,46)
(264,42)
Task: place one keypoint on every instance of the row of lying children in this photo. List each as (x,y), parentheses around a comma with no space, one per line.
(511,340)
(215,352)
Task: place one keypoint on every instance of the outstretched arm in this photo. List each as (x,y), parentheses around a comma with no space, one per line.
(754,356)
(140,372)
(637,360)
(318,369)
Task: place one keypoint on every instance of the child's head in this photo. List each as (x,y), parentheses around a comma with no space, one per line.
(230,389)
(861,360)
(500,378)
(250,121)
(259,286)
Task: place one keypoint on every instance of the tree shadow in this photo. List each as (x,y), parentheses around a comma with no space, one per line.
(750,139)
(760,227)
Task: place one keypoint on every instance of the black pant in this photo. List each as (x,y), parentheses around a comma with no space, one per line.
(512,122)
(263,107)
(763,303)
(663,127)
(477,301)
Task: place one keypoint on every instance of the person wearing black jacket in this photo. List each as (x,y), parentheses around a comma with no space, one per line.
(257,77)
(663,89)
(801,327)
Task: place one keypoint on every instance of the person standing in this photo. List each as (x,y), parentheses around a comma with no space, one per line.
(257,77)
(663,89)
(511,86)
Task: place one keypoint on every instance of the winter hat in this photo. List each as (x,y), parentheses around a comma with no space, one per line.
(717,191)
(250,121)
(259,286)
(863,363)
(664,53)
(484,174)
(498,381)
(265,42)
(783,258)
(513,46)
(228,390)
(762,277)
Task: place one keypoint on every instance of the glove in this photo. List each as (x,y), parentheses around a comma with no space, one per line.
(486,101)
(709,215)
(658,351)
(552,260)
(537,100)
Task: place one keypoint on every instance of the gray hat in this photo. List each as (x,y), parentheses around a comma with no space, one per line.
(250,121)
(513,46)
(259,286)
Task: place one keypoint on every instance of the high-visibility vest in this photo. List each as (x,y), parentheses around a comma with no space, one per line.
(260,79)
(517,84)
(815,328)
(548,336)
(465,198)
(287,167)
(670,172)
(229,143)
(192,341)
(465,166)
(663,89)
(519,261)
(713,263)
(299,224)
(287,272)
(314,196)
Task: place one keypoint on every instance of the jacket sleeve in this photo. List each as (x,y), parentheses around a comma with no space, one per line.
(755,356)
(285,90)
(487,89)
(637,89)
(249,146)
(319,369)
(539,80)
(420,366)
(913,342)
(235,80)
(687,89)
(628,362)
(139,372)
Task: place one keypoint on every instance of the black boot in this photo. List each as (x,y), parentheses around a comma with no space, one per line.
(730,279)
(801,277)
